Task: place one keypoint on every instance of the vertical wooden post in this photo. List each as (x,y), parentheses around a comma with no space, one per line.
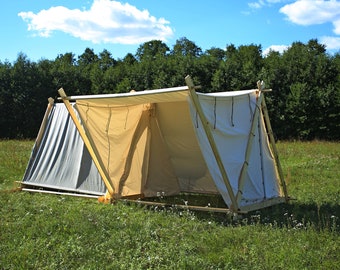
(275,152)
(88,145)
(251,137)
(234,206)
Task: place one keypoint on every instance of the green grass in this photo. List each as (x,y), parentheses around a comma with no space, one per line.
(40,231)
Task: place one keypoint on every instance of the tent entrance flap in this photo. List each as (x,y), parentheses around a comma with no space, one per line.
(130,145)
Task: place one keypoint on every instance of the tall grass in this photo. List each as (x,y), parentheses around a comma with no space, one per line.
(58,232)
(14,157)
(313,170)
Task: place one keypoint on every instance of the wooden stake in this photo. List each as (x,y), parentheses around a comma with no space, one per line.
(205,123)
(88,145)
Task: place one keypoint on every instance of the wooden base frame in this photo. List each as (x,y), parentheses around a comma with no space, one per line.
(138,199)
(263,204)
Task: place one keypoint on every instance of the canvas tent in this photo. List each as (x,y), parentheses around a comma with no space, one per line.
(164,141)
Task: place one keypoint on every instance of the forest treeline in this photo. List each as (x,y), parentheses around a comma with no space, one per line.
(304,103)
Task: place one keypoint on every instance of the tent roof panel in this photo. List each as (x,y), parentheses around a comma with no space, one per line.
(136,97)
(229,93)
(173,94)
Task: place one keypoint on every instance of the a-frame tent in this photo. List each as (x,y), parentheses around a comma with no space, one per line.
(165,141)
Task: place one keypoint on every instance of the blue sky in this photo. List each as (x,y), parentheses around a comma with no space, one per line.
(43,29)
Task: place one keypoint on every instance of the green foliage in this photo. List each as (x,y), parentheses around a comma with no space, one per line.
(304,104)
(152,50)
(40,231)
(306,85)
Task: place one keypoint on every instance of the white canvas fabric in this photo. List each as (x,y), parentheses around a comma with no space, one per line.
(230,115)
(61,161)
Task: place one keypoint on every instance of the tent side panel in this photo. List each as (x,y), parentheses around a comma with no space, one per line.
(61,160)
(230,118)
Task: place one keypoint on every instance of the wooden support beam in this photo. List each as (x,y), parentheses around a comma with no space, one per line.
(251,137)
(103,173)
(60,193)
(234,205)
(275,152)
(186,207)
(44,122)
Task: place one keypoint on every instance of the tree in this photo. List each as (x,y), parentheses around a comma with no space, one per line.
(106,60)
(216,53)
(310,75)
(185,47)
(151,50)
(241,69)
(6,101)
(273,74)
(87,58)
(129,59)
(205,67)
(25,107)
(64,73)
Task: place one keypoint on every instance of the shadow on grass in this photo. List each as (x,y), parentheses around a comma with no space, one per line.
(298,216)
(295,214)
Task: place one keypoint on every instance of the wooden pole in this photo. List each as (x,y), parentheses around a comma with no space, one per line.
(88,145)
(234,206)
(275,152)
(60,193)
(44,122)
(251,137)
(181,206)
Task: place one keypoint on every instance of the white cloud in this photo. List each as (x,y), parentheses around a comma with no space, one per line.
(336,24)
(309,12)
(275,1)
(277,48)
(261,3)
(332,43)
(106,21)
(255,5)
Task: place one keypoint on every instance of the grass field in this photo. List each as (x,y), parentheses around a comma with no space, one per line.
(59,232)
